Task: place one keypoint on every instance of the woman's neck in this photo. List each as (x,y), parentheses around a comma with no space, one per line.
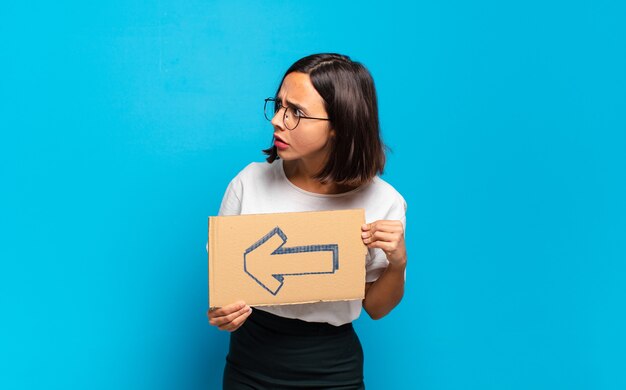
(301,175)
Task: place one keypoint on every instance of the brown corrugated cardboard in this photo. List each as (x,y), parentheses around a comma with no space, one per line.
(285,258)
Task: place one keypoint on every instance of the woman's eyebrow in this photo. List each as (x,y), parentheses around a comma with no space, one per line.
(296,105)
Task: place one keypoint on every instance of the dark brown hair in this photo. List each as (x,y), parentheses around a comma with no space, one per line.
(357,153)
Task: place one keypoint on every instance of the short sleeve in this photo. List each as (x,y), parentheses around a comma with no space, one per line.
(231,202)
(376,261)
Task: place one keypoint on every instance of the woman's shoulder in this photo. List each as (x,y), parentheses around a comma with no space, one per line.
(254,170)
(381,189)
(383,201)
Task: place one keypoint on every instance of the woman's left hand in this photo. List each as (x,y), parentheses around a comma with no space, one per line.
(387,235)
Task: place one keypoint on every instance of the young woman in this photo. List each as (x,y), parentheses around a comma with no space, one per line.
(326,155)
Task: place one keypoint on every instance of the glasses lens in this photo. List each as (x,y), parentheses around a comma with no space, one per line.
(291,118)
(270,109)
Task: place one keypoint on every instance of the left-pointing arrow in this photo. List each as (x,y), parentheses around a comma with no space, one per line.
(267,262)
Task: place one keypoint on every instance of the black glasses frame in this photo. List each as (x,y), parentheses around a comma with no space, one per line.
(280,105)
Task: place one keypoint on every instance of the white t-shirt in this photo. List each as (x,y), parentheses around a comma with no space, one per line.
(264,188)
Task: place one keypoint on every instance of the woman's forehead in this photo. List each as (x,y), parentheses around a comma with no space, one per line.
(298,89)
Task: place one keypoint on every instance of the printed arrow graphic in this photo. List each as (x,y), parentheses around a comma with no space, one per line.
(267,262)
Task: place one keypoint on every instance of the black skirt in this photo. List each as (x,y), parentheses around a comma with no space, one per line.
(272,352)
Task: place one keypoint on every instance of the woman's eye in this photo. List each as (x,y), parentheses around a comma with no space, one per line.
(292,111)
(298,113)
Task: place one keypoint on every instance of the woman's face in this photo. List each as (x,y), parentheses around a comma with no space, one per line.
(311,139)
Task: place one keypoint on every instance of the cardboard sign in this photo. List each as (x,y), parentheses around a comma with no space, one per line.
(284,258)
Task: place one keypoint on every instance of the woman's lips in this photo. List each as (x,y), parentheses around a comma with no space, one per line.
(279,143)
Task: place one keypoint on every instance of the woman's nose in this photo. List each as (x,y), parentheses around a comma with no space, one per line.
(277,120)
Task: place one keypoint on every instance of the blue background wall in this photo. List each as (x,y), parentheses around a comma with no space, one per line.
(122,123)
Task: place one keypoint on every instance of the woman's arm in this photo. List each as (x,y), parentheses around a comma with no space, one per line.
(386,292)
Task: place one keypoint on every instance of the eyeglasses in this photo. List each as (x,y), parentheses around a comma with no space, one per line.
(291,116)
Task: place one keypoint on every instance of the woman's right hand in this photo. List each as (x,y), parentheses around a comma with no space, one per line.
(230,317)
